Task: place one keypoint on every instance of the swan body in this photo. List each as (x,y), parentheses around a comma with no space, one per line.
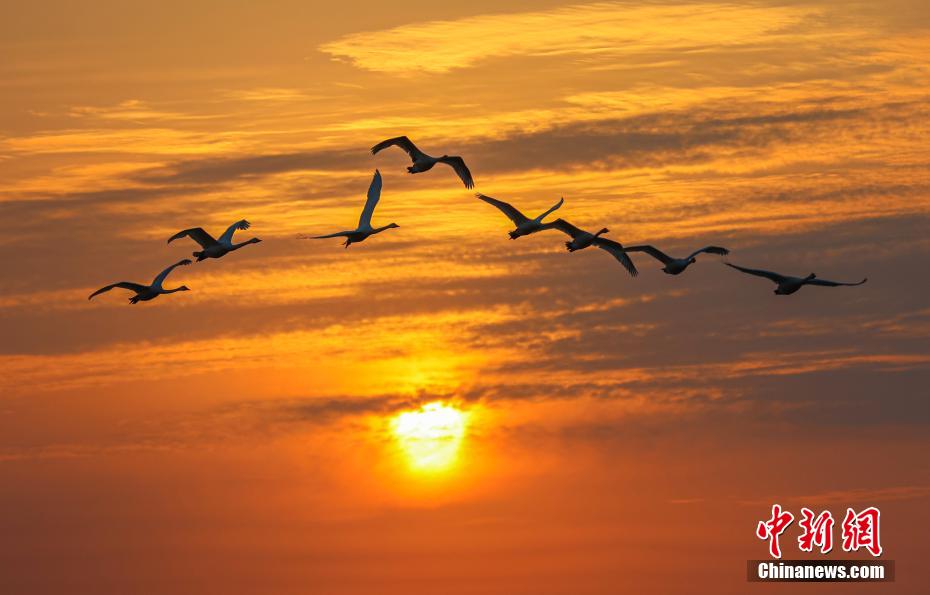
(144,293)
(787,285)
(581,239)
(364,229)
(525,225)
(423,162)
(675,266)
(213,248)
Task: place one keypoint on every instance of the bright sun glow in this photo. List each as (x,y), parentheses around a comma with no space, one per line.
(431,436)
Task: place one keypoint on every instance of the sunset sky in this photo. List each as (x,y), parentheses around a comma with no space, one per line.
(441,410)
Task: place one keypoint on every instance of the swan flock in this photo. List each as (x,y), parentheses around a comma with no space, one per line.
(579,239)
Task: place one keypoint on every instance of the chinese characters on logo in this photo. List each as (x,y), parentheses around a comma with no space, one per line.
(860,530)
(817,531)
(773,528)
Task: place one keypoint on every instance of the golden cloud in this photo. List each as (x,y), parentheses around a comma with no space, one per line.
(584,30)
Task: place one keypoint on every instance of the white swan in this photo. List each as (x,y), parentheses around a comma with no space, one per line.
(788,285)
(675,266)
(423,162)
(145,293)
(364,229)
(525,225)
(582,239)
(213,248)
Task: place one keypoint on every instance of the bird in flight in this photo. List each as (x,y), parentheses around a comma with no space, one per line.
(675,266)
(582,239)
(145,293)
(788,285)
(525,225)
(364,229)
(423,162)
(213,248)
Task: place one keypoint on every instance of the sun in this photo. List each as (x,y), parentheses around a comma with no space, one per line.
(431,436)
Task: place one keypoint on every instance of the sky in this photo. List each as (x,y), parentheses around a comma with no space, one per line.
(441,409)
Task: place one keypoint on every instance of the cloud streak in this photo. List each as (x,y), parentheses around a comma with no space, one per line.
(607,30)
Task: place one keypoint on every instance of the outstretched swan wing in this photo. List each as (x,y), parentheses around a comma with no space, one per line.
(338,234)
(458,164)
(759,273)
(136,287)
(374,194)
(826,283)
(710,250)
(400,141)
(651,251)
(563,226)
(164,274)
(618,252)
(553,208)
(227,236)
(198,235)
(506,208)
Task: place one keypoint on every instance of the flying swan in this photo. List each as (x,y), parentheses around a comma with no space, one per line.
(145,293)
(213,248)
(675,266)
(525,225)
(788,285)
(582,239)
(423,162)
(364,229)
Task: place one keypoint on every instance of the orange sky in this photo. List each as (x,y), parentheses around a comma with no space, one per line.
(243,437)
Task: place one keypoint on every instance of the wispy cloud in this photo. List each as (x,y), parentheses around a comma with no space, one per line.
(601,29)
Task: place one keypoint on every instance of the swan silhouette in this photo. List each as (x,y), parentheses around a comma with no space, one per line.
(583,239)
(213,248)
(423,162)
(525,225)
(364,229)
(145,293)
(788,285)
(675,266)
